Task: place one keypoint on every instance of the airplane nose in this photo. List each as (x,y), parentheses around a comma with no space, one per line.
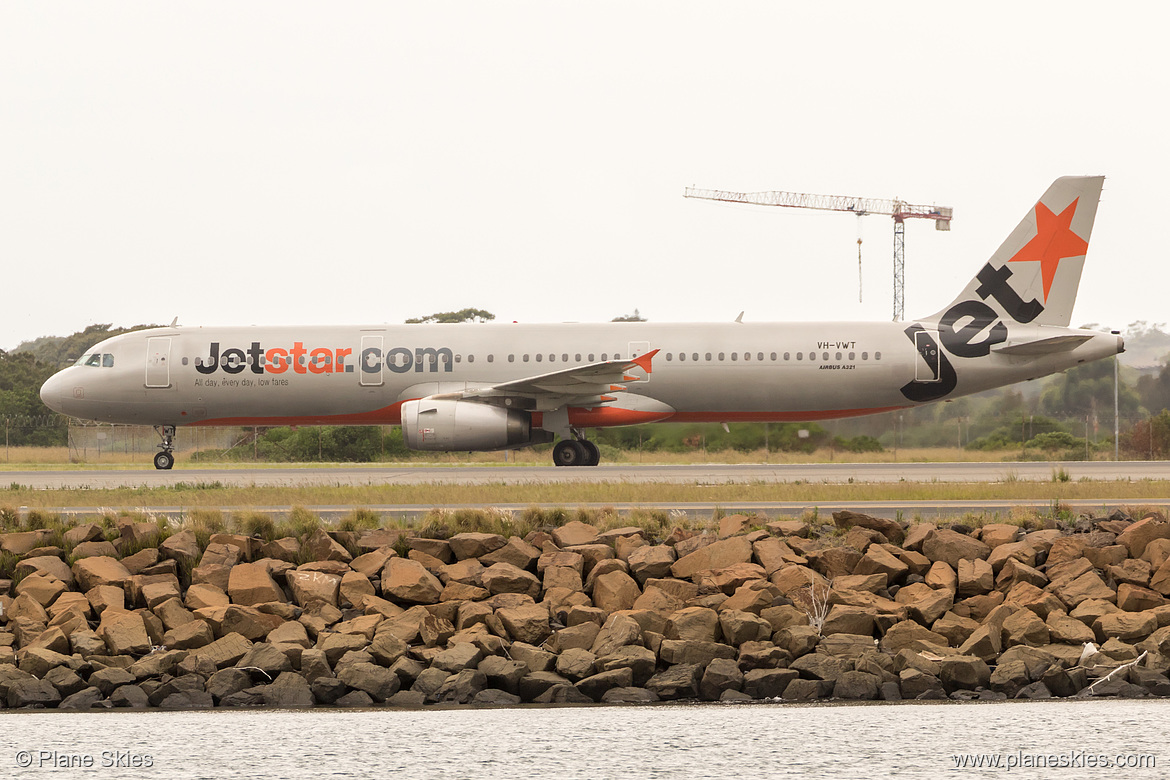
(53,392)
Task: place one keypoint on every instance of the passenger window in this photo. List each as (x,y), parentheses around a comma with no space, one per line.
(682,356)
(812,356)
(565,358)
(747,356)
(525,358)
(838,355)
(511,358)
(577,357)
(721,354)
(695,356)
(825,356)
(669,356)
(877,356)
(735,356)
(865,356)
(708,357)
(760,356)
(787,355)
(773,356)
(591,358)
(184,361)
(852,356)
(603,357)
(800,356)
(458,358)
(539,357)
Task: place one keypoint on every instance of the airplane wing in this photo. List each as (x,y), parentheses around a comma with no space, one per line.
(588,385)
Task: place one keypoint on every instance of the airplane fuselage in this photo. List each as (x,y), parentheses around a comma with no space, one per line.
(710,372)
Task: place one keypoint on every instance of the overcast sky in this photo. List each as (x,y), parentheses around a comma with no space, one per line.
(287,162)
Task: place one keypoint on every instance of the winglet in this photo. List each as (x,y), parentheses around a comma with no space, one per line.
(643,361)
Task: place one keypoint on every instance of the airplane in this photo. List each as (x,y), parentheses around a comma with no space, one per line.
(467,387)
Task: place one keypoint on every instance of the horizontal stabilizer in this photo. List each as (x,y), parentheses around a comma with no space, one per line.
(1044,346)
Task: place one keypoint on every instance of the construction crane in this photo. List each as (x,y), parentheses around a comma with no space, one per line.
(899,210)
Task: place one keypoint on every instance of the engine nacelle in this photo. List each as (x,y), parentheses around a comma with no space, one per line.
(452,425)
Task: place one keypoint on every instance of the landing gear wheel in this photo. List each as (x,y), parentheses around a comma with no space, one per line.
(569,453)
(164,460)
(592,454)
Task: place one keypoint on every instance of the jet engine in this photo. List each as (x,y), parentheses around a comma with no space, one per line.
(448,424)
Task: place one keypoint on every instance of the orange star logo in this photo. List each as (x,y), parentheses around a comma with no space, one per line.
(1054,241)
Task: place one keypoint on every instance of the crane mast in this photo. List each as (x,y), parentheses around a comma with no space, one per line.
(898,209)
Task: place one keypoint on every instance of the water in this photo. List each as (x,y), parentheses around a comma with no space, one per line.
(673,741)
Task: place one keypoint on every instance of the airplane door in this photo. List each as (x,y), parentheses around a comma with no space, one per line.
(158,361)
(927,369)
(372,361)
(637,349)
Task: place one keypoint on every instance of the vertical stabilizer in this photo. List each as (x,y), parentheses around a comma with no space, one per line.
(1034,275)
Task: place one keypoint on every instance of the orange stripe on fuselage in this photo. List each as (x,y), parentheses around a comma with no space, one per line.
(387,415)
(811,416)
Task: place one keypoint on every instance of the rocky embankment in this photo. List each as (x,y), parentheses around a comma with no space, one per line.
(864,609)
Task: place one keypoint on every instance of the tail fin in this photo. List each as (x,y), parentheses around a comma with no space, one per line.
(1034,275)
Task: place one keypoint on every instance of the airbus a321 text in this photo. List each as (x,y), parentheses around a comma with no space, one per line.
(499,386)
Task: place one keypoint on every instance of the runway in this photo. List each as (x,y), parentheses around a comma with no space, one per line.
(693,474)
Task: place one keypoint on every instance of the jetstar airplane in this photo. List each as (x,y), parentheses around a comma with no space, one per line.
(499,386)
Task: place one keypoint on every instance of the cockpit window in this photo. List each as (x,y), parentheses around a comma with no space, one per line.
(96,359)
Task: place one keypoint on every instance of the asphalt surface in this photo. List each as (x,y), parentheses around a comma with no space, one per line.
(821,473)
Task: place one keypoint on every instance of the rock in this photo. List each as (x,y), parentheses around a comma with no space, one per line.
(640,660)
(224,651)
(409,581)
(1137,536)
(721,674)
(951,547)
(124,633)
(573,534)
(692,651)
(181,547)
(910,634)
(575,664)
(916,684)
(310,587)
(515,551)
(877,560)
(458,657)
(1127,626)
(629,696)
(615,592)
(97,571)
(289,690)
(767,683)
(698,623)
(959,672)
(249,622)
(377,681)
(494,698)
(1135,598)
(1009,678)
(475,545)
(856,686)
(717,555)
(506,578)
(532,685)
(84,699)
(251,583)
(1085,587)
(527,623)
(32,692)
(618,631)
(890,529)
(739,627)
(597,685)
(1024,628)
(502,673)
(817,666)
(320,546)
(677,682)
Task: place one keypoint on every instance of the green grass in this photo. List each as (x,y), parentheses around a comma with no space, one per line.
(571,494)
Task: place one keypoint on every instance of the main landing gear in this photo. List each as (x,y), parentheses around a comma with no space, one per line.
(164,459)
(576,452)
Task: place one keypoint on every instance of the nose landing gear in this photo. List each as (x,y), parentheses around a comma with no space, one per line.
(164,459)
